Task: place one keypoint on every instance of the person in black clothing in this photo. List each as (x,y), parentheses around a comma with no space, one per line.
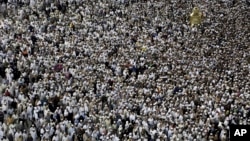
(29,138)
(10,137)
(1,116)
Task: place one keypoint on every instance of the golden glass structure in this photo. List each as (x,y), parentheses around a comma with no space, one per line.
(195,17)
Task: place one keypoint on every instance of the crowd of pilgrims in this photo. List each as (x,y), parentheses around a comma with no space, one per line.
(123,70)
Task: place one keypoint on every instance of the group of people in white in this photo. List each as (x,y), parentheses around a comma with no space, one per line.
(122,70)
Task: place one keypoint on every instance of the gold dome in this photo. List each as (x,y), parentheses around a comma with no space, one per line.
(195,17)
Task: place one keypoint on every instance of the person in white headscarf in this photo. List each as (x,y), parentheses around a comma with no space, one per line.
(33,133)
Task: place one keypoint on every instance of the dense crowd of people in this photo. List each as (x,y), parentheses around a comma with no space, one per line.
(119,70)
